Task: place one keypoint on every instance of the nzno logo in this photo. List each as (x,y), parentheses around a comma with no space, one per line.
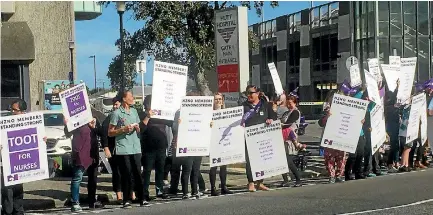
(328,142)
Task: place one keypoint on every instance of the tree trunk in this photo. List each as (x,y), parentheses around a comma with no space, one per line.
(203,84)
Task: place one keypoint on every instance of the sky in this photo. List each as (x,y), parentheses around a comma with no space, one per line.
(97,37)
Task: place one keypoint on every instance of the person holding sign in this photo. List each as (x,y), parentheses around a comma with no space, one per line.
(392,121)
(404,145)
(124,125)
(256,111)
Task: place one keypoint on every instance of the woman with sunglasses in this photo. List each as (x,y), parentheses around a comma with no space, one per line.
(256,111)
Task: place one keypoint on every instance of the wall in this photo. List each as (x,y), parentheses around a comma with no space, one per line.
(52,24)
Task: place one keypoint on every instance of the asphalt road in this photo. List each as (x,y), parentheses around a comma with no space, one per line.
(409,193)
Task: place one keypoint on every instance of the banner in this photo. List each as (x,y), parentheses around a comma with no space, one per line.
(424,122)
(227,144)
(51,93)
(378,128)
(355,76)
(266,150)
(275,78)
(24,152)
(372,88)
(345,123)
(414,117)
(392,74)
(76,107)
(194,132)
(169,86)
(373,68)
(407,75)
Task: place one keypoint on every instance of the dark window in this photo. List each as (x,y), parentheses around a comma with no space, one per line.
(371,48)
(396,46)
(383,50)
(371,18)
(316,50)
(410,49)
(53,119)
(423,59)
(395,17)
(383,18)
(291,54)
(10,81)
(317,91)
(297,53)
(422,17)
(409,18)
(333,46)
(274,54)
(324,48)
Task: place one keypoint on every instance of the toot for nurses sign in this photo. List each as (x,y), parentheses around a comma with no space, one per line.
(76,107)
(24,153)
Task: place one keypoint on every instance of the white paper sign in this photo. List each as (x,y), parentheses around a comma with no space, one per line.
(266,150)
(169,86)
(392,74)
(76,107)
(378,129)
(394,61)
(355,76)
(275,78)
(194,133)
(372,88)
(424,123)
(228,137)
(24,152)
(408,67)
(345,123)
(414,117)
(374,69)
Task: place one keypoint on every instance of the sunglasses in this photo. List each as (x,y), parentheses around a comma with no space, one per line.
(250,93)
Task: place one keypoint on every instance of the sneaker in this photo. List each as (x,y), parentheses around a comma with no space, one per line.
(332,180)
(340,179)
(76,208)
(297,184)
(392,170)
(195,196)
(187,196)
(214,192)
(127,205)
(226,191)
(163,196)
(371,175)
(144,203)
(359,176)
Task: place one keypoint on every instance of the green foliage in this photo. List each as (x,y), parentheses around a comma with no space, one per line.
(177,32)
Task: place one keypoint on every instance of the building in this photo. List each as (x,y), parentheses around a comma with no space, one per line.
(38,43)
(310,47)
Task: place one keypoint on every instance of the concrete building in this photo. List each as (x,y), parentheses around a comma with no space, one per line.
(310,47)
(37,43)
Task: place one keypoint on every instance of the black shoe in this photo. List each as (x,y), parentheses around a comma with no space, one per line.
(163,196)
(144,203)
(297,184)
(214,192)
(359,176)
(186,196)
(226,191)
(96,205)
(127,205)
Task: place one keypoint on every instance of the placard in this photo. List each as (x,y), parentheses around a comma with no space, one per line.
(266,150)
(76,106)
(372,88)
(24,152)
(408,67)
(374,69)
(394,61)
(276,78)
(228,137)
(344,124)
(424,122)
(378,128)
(392,74)
(355,76)
(169,86)
(194,133)
(414,117)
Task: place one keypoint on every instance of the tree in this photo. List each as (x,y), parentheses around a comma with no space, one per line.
(177,32)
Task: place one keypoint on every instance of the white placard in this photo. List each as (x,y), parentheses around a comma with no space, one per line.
(169,86)
(355,76)
(378,129)
(344,124)
(424,123)
(266,150)
(407,75)
(374,69)
(24,152)
(76,107)
(392,74)
(372,88)
(228,137)
(414,117)
(194,133)
(394,61)
(276,78)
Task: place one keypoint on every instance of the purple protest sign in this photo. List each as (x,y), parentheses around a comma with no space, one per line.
(22,139)
(24,161)
(76,103)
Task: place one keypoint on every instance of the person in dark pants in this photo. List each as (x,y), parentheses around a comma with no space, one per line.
(124,126)
(153,148)
(167,168)
(419,155)
(109,144)
(392,122)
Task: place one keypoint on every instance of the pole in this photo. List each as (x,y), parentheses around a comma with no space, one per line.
(94,67)
(72,64)
(142,87)
(122,68)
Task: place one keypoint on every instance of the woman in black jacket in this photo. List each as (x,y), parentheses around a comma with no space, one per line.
(392,120)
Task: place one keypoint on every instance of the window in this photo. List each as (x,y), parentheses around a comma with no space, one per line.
(409,45)
(291,24)
(383,50)
(269,54)
(423,59)
(334,47)
(396,48)
(422,18)
(274,27)
(297,21)
(315,18)
(324,48)
(10,81)
(363,17)
(333,13)
(371,18)
(409,18)
(395,18)
(357,20)
(371,48)
(291,54)
(324,13)
(297,53)
(316,48)
(383,18)
(268,29)
(53,119)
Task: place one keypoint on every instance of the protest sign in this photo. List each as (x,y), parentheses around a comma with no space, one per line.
(378,129)
(414,117)
(76,107)
(424,123)
(394,61)
(392,74)
(169,86)
(228,138)
(372,88)
(275,78)
(355,76)
(374,69)
(194,132)
(407,75)
(266,150)
(24,152)
(344,124)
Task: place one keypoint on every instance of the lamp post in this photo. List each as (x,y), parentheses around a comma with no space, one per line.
(71,50)
(94,67)
(120,10)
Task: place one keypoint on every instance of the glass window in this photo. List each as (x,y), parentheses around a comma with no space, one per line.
(291,55)
(333,46)
(363,17)
(297,53)
(316,50)
(10,81)
(383,18)
(357,21)
(54,119)
(315,17)
(395,47)
(422,17)
(409,45)
(291,24)
(371,48)
(324,49)
(423,59)
(274,27)
(269,54)
(364,56)
(324,13)
(274,54)
(383,50)
(409,18)
(395,18)
(358,49)
(334,9)
(268,29)
(371,18)
(297,21)
(317,91)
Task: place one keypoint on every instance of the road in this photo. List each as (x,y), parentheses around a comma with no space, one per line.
(409,193)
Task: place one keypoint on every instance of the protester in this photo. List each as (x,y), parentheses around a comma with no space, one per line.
(219,104)
(109,144)
(392,121)
(257,110)
(124,126)
(405,147)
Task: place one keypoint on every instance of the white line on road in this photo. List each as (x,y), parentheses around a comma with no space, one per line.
(390,208)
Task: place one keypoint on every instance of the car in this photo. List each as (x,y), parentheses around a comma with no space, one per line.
(57,142)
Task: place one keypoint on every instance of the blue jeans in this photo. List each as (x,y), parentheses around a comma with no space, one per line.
(78,172)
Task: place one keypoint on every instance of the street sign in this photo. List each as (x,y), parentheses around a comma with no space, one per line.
(352,60)
(140,66)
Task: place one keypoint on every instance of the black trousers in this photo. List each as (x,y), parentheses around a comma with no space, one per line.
(419,152)
(150,160)
(92,183)
(184,163)
(130,168)
(201,183)
(12,199)
(167,166)
(223,176)
(371,162)
(195,174)
(354,161)
(116,181)
(292,168)
(394,151)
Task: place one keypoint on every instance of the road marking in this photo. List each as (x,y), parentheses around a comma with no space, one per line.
(390,208)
